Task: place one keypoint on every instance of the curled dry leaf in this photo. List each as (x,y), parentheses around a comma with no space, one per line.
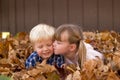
(21,35)
(76,75)
(112,76)
(88,68)
(20,75)
(69,77)
(34,72)
(117,53)
(45,68)
(116,60)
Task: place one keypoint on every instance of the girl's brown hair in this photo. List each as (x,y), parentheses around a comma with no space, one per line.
(75,37)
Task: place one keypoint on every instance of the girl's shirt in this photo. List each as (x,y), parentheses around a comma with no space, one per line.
(58,60)
(91,53)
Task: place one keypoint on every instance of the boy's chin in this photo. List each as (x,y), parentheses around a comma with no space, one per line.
(46,57)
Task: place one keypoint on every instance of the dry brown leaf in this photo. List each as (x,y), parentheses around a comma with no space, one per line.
(71,68)
(105,36)
(22,75)
(52,76)
(116,60)
(4,69)
(34,72)
(21,35)
(76,75)
(117,53)
(69,77)
(1,47)
(102,72)
(40,69)
(112,76)
(93,70)
(39,77)
(45,68)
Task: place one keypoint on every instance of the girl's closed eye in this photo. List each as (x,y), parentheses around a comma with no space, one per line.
(58,42)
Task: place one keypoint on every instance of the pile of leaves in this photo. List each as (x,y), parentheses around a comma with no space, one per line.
(15,49)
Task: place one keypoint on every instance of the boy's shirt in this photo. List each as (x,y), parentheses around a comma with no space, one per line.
(58,60)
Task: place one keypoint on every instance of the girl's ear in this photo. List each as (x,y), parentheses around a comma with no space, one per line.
(73,47)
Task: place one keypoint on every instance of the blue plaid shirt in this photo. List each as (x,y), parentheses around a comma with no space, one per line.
(58,60)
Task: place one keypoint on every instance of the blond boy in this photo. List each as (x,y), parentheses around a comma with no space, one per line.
(41,37)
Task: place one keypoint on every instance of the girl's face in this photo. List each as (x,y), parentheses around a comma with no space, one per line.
(62,46)
(44,48)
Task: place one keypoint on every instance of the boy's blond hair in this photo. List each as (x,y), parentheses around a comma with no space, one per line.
(41,32)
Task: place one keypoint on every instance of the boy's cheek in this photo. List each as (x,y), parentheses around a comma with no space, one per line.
(39,54)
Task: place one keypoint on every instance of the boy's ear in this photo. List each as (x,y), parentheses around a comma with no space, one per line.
(73,47)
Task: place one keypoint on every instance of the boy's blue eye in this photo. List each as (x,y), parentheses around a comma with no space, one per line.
(49,44)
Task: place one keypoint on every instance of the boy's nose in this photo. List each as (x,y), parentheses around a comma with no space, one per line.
(45,48)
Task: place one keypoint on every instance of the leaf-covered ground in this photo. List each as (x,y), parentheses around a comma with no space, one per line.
(15,50)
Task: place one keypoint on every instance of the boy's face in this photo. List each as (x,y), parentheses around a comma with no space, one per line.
(63,46)
(44,48)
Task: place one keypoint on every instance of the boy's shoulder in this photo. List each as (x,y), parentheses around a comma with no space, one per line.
(33,55)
